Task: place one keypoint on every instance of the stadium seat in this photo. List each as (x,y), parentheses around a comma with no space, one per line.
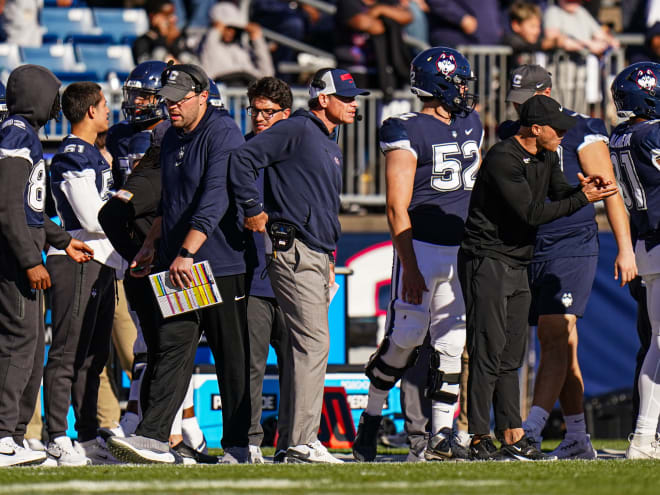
(62,22)
(89,39)
(58,57)
(120,23)
(9,56)
(104,59)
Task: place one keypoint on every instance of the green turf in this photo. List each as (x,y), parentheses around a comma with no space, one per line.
(602,477)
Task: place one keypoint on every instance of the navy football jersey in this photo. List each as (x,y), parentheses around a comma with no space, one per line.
(76,158)
(635,153)
(19,139)
(127,144)
(448,160)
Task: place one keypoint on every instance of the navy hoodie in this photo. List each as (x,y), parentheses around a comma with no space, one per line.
(303,178)
(196,193)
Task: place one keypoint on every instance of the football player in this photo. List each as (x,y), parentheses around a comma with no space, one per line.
(635,153)
(563,269)
(432,158)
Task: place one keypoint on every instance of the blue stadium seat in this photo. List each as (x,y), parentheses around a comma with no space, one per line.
(89,39)
(9,56)
(58,57)
(104,59)
(62,22)
(120,23)
(70,77)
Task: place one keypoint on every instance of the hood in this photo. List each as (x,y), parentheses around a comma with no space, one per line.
(31,91)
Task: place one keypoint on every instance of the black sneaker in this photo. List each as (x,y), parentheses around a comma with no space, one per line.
(365,445)
(524,450)
(482,448)
(189,454)
(439,447)
(279,456)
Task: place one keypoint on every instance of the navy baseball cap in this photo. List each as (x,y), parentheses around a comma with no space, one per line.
(543,110)
(334,82)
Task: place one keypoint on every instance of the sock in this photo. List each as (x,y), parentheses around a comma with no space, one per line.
(129,423)
(192,434)
(442,414)
(176,424)
(376,401)
(536,420)
(575,425)
(188,399)
(646,427)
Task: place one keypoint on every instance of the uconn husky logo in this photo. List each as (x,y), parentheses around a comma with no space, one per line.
(446,64)
(646,79)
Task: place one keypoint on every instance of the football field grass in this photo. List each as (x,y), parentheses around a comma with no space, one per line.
(601,477)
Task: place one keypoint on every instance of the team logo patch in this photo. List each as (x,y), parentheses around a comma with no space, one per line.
(446,64)
(567,299)
(645,79)
(337,162)
(346,77)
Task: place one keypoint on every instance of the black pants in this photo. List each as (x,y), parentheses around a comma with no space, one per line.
(266,326)
(497,300)
(21,348)
(83,298)
(171,357)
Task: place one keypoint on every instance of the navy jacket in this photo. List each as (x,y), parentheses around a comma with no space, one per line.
(196,194)
(303,178)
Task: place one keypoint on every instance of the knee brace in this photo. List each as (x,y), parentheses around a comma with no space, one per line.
(437,378)
(392,375)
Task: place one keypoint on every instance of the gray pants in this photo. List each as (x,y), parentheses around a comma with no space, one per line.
(83,297)
(21,348)
(416,407)
(266,326)
(299,278)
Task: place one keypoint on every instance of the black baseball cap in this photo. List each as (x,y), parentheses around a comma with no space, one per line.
(179,80)
(526,81)
(543,110)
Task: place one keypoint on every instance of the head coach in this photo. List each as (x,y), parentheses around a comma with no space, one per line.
(508,203)
(303,177)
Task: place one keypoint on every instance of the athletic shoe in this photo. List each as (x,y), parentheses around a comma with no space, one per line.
(642,449)
(255,456)
(34,444)
(313,452)
(575,447)
(482,448)
(534,437)
(191,456)
(416,456)
(62,450)
(236,455)
(48,461)
(12,454)
(279,457)
(96,451)
(524,450)
(142,450)
(439,446)
(365,445)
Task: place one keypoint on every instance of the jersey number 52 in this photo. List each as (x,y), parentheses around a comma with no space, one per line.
(448,172)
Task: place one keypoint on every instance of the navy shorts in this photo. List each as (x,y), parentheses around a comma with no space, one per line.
(560,286)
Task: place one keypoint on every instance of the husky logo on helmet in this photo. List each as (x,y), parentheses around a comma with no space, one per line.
(446,64)
(646,79)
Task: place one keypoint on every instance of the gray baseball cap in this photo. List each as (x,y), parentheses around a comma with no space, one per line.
(526,81)
(179,80)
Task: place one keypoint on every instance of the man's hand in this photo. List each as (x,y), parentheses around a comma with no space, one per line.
(598,180)
(468,24)
(412,286)
(38,277)
(625,265)
(331,278)
(256,223)
(253,30)
(141,264)
(78,251)
(181,272)
(595,192)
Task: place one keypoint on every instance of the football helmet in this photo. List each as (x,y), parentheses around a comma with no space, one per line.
(215,99)
(3,103)
(636,91)
(141,103)
(445,74)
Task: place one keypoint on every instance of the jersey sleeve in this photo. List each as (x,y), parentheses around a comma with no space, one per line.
(393,135)
(594,131)
(138,146)
(15,139)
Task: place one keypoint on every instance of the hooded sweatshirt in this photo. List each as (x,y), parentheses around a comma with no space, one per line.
(31,92)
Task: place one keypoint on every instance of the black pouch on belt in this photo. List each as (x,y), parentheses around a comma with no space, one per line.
(281,235)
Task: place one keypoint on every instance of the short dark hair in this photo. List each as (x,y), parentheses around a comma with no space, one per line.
(155,6)
(271,88)
(77,99)
(521,11)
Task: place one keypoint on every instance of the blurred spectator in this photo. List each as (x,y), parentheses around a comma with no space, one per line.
(369,35)
(198,12)
(164,41)
(651,46)
(633,17)
(464,22)
(574,29)
(419,27)
(19,22)
(234,50)
(525,35)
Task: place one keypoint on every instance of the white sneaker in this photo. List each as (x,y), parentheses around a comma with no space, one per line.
(642,449)
(575,447)
(96,451)
(12,454)
(48,461)
(62,450)
(255,456)
(34,444)
(462,438)
(312,452)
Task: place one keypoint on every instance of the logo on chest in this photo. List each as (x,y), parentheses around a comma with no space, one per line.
(180,155)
